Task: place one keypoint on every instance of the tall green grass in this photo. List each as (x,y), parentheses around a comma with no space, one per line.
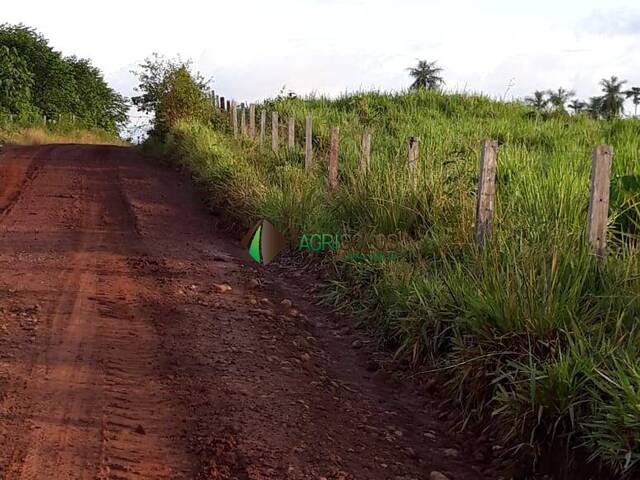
(530,332)
(31,130)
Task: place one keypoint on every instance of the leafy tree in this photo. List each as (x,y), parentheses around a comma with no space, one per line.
(426,75)
(612,102)
(16,82)
(634,94)
(559,98)
(171,91)
(538,100)
(53,90)
(97,104)
(57,85)
(152,77)
(184,100)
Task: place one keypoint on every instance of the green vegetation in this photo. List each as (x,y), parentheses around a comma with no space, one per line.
(528,333)
(171,91)
(609,105)
(426,75)
(36,81)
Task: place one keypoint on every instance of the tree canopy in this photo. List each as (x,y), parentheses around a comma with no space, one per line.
(37,80)
(426,75)
(169,89)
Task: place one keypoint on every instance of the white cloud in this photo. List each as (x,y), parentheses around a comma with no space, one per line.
(252,47)
(613,22)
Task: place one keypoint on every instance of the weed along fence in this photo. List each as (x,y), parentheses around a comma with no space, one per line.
(494,249)
(243,123)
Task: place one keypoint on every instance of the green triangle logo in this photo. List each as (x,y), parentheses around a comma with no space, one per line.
(254,248)
(263,242)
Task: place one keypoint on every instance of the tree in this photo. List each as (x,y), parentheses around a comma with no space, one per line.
(538,100)
(16,82)
(426,75)
(612,102)
(97,104)
(634,94)
(594,107)
(54,85)
(184,100)
(578,106)
(171,91)
(559,98)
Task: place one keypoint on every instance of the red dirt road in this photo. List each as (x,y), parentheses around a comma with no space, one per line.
(124,355)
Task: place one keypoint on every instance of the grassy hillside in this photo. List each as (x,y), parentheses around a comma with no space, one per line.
(528,333)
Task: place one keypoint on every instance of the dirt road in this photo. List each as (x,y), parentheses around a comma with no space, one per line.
(124,354)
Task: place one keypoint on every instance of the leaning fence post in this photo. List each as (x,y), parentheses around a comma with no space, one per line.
(599,199)
(486,191)
(308,146)
(228,105)
(263,125)
(234,118)
(333,159)
(252,121)
(222,104)
(291,133)
(274,132)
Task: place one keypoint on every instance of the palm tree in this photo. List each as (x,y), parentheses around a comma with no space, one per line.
(578,106)
(634,94)
(559,98)
(613,98)
(594,107)
(426,75)
(538,100)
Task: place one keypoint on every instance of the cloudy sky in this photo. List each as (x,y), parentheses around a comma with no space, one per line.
(253,48)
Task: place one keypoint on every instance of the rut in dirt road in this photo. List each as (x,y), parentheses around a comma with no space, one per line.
(124,353)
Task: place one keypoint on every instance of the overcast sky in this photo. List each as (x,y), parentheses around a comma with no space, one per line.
(253,48)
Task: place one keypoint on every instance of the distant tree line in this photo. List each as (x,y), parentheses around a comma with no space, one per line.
(427,75)
(35,80)
(608,105)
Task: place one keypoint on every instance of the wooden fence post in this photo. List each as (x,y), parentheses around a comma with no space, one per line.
(333,159)
(44,120)
(308,145)
(234,118)
(292,133)
(263,126)
(243,121)
(228,105)
(599,200)
(274,132)
(252,121)
(414,143)
(486,191)
(365,152)
(222,104)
